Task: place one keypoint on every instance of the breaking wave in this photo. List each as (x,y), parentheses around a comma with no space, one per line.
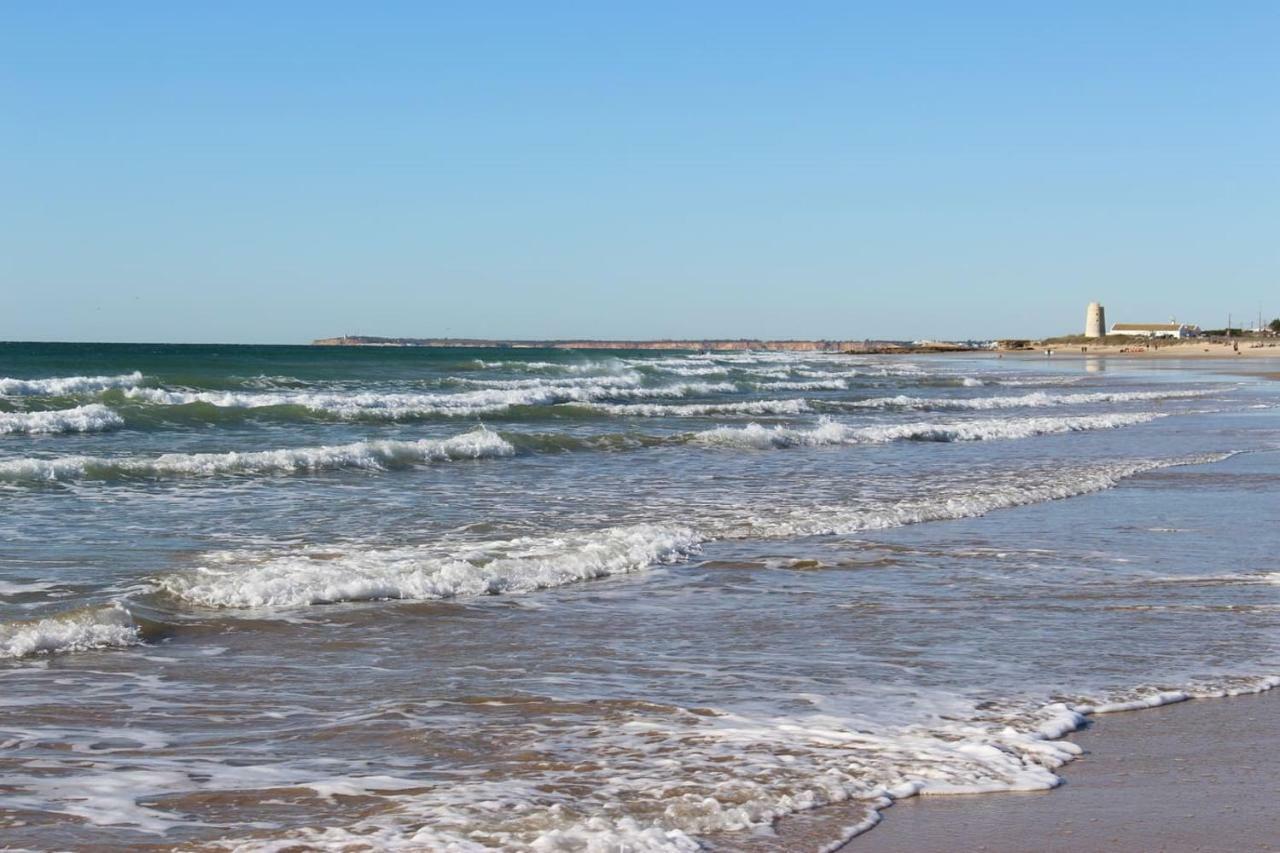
(830,433)
(574,367)
(374,455)
(1034,400)
(245,580)
(519,565)
(62,386)
(1039,487)
(683,370)
(91,418)
(380,455)
(677,410)
(619,380)
(805,385)
(404,405)
(78,630)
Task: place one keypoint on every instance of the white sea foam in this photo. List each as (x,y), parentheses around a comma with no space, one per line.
(515,365)
(607,366)
(238,580)
(78,630)
(91,418)
(61,386)
(742,766)
(399,405)
(1034,400)
(679,410)
(805,385)
(684,777)
(8,588)
(242,580)
(681,389)
(685,370)
(484,443)
(810,372)
(267,382)
(610,382)
(376,455)
(832,433)
(679,366)
(738,772)
(1231,578)
(1136,700)
(1033,488)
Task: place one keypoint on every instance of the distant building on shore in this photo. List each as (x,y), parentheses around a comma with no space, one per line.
(1157,330)
(1095,320)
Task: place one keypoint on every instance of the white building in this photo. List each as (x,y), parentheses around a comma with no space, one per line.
(1156,330)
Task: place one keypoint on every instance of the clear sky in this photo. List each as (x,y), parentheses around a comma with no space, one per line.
(274,171)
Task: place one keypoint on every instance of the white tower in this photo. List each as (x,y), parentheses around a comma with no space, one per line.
(1095,321)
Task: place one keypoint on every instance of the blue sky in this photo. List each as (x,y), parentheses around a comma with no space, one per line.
(274,172)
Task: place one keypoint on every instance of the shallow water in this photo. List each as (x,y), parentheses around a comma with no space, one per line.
(261,596)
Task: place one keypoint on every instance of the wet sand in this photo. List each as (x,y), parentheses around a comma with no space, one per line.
(1201,775)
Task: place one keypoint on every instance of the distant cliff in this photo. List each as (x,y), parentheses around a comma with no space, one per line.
(695,345)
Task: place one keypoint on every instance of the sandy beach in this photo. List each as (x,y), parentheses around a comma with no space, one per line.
(1248,348)
(1193,776)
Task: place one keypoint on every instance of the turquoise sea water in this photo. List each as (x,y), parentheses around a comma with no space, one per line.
(253,597)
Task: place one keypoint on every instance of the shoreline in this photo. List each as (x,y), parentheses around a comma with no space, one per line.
(1165,763)
(1196,349)
(1190,775)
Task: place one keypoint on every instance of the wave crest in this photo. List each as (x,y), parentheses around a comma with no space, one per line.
(805,385)
(677,410)
(405,405)
(376,455)
(519,565)
(241,580)
(1036,399)
(62,386)
(830,433)
(91,418)
(74,631)
(1070,483)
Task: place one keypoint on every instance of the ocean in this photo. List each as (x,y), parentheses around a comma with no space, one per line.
(269,598)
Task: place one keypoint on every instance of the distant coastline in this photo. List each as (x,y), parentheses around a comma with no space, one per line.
(705,345)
